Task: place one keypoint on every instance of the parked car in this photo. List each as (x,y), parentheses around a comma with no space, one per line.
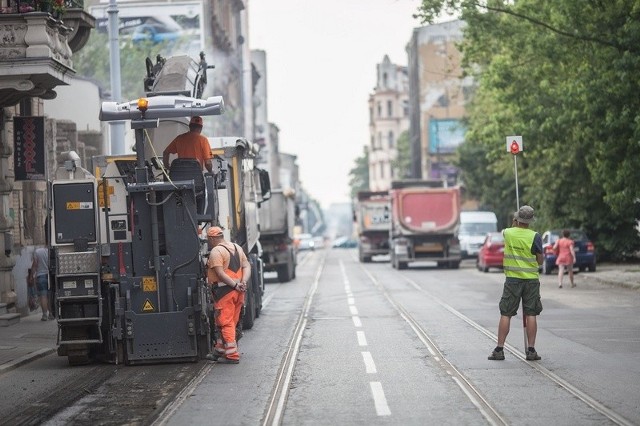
(584,248)
(155,33)
(344,242)
(304,242)
(491,252)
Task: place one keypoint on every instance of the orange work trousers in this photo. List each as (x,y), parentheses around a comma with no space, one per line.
(228,310)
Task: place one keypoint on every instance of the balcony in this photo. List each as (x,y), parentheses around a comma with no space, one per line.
(36,49)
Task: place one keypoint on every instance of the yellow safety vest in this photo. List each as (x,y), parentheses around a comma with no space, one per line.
(518,261)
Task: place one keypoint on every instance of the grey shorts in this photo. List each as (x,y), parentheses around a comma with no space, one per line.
(515,290)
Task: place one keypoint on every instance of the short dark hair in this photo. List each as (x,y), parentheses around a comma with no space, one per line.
(566,233)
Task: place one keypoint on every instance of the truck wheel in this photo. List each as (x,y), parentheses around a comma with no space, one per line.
(454,265)
(592,267)
(545,268)
(249,308)
(285,272)
(402,265)
(259,274)
(251,295)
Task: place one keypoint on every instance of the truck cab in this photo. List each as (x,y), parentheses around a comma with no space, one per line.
(474,227)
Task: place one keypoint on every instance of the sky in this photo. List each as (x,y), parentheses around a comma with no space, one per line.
(321,69)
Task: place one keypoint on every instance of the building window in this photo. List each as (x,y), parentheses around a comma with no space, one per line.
(390,141)
(379,110)
(405,108)
(370,115)
(381,170)
(384,80)
(373,143)
(389,109)
(25,107)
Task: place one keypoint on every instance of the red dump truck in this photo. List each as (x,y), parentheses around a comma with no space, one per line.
(424,223)
(372,215)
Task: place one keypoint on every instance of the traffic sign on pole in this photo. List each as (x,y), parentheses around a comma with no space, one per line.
(514,144)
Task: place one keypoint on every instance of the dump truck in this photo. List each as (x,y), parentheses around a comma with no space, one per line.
(425,217)
(373,218)
(277,221)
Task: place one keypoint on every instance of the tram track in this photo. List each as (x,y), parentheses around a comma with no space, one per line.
(277,400)
(490,413)
(584,397)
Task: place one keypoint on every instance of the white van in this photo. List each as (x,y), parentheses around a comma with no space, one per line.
(474,226)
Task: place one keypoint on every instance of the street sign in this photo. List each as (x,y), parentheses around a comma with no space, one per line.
(514,144)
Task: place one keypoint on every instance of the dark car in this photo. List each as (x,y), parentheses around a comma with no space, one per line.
(584,248)
(344,242)
(491,252)
(154,33)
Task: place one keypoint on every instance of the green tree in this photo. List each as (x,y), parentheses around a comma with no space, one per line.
(93,62)
(402,162)
(359,174)
(563,74)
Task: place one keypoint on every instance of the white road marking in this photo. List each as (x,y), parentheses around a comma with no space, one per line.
(368,363)
(362,339)
(351,301)
(356,321)
(382,409)
(353,309)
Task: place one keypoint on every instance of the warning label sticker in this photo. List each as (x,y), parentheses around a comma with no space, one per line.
(79,205)
(147,306)
(149,284)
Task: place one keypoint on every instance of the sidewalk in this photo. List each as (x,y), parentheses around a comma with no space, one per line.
(613,274)
(27,340)
(31,338)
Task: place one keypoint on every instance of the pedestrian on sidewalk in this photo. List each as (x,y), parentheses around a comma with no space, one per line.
(522,257)
(565,256)
(40,274)
(228,272)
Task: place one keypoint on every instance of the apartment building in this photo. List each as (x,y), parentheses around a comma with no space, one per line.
(438,95)
(388,118)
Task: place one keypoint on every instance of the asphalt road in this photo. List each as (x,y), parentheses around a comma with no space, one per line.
(349,343)
(380,346)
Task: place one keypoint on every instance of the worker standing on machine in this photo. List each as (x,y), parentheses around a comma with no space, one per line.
(191,144)
(228,272)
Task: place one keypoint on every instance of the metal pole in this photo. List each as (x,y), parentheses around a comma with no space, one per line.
(524,317)
(515,166)
(117,127)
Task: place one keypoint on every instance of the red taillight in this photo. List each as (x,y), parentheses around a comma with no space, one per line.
(548,250)
(590,246)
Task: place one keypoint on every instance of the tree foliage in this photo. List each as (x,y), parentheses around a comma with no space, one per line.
(92,61)
(402,162)
(359,174)
(564,74)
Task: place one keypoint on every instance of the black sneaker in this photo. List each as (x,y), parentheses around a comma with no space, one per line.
(496,356)
(533,356)
(212,356)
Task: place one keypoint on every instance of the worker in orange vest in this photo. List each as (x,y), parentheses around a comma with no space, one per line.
(228,272)
(192,144)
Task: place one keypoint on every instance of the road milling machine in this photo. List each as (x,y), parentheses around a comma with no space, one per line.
(127,240)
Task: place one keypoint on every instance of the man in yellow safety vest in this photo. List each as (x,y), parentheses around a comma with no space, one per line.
(522,257)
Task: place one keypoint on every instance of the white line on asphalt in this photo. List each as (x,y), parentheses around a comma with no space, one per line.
(356,321)
(362,339)
(368,363)
(382,409)
(351,300)
(353,310)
